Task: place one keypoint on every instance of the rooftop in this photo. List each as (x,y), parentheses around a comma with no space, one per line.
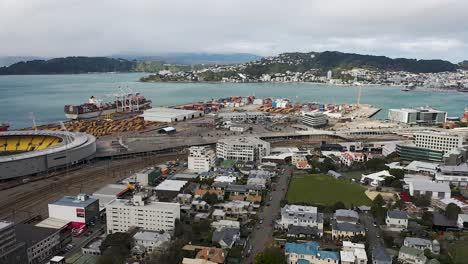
(171,185)
(31,234)
(431,186)
(397,214)
(53,223)
(74,201)
(152,236)
(4,224)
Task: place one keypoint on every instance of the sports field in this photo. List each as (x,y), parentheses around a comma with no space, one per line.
(325,190)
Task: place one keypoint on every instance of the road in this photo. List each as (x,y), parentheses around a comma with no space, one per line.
(374,234)
(262,234)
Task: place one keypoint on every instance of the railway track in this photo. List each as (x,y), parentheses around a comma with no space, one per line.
(30,199)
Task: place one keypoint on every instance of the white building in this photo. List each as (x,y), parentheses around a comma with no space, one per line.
(462,221)
(242,148)
(299,156)
(78,209)
(375,179)
(170,115)
(353,253)
(348,158)
(151,241)
(201,159)
(456,175)
(298,215)
(434,189)
(417,116)
(438,141)
(411,255)
(397,220)
(314,119)
(153,216)
(229,179)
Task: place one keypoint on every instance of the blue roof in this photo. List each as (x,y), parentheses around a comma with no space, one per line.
(329,255)
(310,248)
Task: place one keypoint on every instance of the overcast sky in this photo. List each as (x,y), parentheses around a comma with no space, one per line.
(396,28)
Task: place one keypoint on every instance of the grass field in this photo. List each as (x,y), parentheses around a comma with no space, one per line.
(459,252)
(325,190)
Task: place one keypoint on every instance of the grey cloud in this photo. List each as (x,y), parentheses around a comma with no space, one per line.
(398,28)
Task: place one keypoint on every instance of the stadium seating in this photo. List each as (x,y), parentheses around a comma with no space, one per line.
(27,143)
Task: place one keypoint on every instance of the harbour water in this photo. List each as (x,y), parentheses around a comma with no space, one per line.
(45,95)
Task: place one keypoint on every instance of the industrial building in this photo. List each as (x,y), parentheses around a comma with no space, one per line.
(168,189)
(242,116)
(423,115)
(148,215)
(79,210)
(242,148)
(170,115)
(201,159)
(24,153)
(314,119)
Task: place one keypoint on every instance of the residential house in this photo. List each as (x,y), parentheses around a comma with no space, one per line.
(375,179)
(151,240)
(397,220)
(226,237)
(220,224)
(309,253)
(418,243)
(303,232)
(344,215)
(299,215)
(411,255)
(353,253)
(346,230)
(381,256)
(216,255)
(436,190)
(348,158)
(196,261)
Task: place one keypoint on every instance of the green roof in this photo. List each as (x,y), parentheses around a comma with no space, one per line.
(412,251)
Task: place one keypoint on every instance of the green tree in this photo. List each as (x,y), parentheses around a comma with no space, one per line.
(116,248)
(377,209)
(210,198)
(339,205)
(173,253)
(397,173)
(376,164)
(271,255)
(422,200)
(452,211)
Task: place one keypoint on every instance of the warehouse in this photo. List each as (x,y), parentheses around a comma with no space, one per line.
(170,115)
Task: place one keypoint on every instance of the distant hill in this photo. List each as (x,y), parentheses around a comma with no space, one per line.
(193,58)
(333,60)
(9,60)
(69,65)
(464,65)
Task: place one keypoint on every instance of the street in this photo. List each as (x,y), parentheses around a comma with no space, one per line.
(374,235)
(262,236)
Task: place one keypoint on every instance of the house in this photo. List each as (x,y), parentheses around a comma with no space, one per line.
(220,224)
(199,205)
(234,210)
(346,230)
(226,237)
(375,179)
(353,253)
(411,255)
(442,223)
(462,221)
(236,189)
(200,192)
(344,215)
(299,215)
(303,165)
(196,261)
(303,232)
(309,253)
(150,240)
(435,190)
(223,178)
(397,220)
(348,158)
(258,182)
(418,243)
(380,256)
(216,255)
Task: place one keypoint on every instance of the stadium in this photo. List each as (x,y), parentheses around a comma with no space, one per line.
(28,153)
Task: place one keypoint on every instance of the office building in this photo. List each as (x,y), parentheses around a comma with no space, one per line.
(242,148)
(152,216)
(314,119)
(438,141)
(41,243)
(80,209)
(423,115)
(201,159)
(12,251)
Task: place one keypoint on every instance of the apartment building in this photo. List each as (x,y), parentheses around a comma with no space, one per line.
(438,141)
(314,119)
(242,148)
(152,216)
(201,158)
(298,215)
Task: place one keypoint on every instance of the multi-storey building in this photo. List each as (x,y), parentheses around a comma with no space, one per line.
(314,119)
(201,159)
(42,243)
(438,141)
(151,216)
(298,215)
(11,250)
(242,148)
(417,116)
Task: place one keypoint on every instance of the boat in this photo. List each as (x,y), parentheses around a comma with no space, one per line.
(463,89)
(123,103)
(4,127)
(408,88)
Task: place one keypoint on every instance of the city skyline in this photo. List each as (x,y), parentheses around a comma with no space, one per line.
(416,29)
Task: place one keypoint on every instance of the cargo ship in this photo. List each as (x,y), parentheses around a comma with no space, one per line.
(4,127)
(124,103)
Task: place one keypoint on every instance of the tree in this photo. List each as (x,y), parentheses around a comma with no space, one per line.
(173,254)
(376,164)
(377,209)
(116,248)
(397,173)
(271,255)
(422,200)
(452,211)
(339,205)
(210,198)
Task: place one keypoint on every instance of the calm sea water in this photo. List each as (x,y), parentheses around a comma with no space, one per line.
(45,95)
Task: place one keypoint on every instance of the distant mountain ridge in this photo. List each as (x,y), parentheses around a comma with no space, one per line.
(69,65)
(333,60)
(6,61)
(193,58)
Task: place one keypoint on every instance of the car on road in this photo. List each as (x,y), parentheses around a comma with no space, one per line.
(261,221)
(378,236)
(375,224)
(271,198)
